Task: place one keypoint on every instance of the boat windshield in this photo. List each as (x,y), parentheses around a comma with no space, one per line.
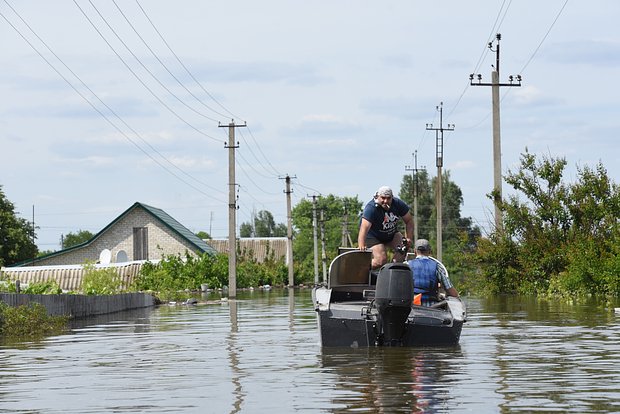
(350,268)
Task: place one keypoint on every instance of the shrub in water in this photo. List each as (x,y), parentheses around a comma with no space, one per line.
(27,321)
(103,281)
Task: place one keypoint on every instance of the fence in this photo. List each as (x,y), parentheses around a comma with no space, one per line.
(81,306)
(68,277)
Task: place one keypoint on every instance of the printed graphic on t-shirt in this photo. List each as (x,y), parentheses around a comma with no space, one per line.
(389,222)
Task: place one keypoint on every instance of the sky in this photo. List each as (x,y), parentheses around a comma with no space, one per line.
(106,103)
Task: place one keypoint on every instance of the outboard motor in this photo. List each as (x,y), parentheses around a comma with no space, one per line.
(393,297)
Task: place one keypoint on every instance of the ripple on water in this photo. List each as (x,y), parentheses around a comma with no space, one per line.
(261,353)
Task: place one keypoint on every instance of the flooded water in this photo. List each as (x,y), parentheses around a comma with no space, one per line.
(260,353)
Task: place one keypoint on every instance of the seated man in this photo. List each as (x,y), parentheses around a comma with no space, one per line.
(428,274)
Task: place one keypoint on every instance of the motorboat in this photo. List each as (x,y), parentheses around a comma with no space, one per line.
(359,307)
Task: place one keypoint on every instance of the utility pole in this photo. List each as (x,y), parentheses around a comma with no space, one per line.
(314,237)
(323,253)
(439,163)
(497,146)
(33,236)
(232,210)
(211,224)
(345,241)
(414,182)
(289,232)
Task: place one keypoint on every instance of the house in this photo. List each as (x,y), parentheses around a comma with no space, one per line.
(142,232)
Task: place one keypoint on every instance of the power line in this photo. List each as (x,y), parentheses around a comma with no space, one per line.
(164,65)
(176,78)
(271,174)
(544,37)
(254,169)
(317,192)
(88,101)
(252,181)
(261,151)
(485,51)
(172,111)
(183,65)
(144,66)
(524,66)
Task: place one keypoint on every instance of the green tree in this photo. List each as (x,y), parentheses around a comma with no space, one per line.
(203,235)
(16,235)
(426,201)
(563,238)
(246,230)
(452,199)
(264,226)
(335,209)
(80,237)
(459,235)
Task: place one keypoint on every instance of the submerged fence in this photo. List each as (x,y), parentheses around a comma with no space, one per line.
(81,306)
(68,277)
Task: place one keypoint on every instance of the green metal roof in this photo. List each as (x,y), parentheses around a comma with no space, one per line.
(177,228)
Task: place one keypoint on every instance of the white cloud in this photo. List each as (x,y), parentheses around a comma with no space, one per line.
(326,99)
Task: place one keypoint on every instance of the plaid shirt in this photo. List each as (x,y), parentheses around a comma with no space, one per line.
(441,272)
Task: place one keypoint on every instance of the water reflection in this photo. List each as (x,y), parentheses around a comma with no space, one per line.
(549,354)
(589,311)
(261,353)
(391,380)
(233,359)
(138,318)
(291,309)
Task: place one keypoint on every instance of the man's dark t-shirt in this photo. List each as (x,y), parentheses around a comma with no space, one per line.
(384,223)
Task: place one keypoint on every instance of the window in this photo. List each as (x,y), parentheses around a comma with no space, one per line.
(140,243)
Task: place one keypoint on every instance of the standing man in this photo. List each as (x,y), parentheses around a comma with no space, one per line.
(428,274)
(378,227)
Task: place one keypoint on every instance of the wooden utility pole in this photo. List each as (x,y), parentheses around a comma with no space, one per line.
(439,163)
(414,184)
(232,210)
(497,146)
(289,232)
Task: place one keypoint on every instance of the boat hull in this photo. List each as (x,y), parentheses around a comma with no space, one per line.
(344,325)
(361,309)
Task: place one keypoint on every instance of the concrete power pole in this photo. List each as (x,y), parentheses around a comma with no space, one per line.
(314,237)
(232,210)
(289,232)
(497,146)
(414,183)
(323,253)
(439,163)
(345,241)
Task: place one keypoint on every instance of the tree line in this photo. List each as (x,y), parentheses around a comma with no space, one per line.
(557,238)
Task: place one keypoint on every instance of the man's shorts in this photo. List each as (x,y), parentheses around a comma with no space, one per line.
(373,241)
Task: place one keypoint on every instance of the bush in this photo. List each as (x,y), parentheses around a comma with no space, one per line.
(103,281)
(49,287)
(29,321)
(174,274)
(563,239)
